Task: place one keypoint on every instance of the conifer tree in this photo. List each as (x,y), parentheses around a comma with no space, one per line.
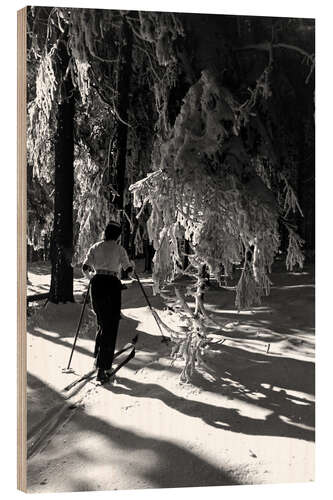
(61,251)
(225,161)
(51,137)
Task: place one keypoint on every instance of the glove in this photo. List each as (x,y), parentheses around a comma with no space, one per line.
(87,271)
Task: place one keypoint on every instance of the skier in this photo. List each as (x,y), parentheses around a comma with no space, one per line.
(104,259)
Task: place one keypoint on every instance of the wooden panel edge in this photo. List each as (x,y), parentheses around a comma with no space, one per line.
(21,251)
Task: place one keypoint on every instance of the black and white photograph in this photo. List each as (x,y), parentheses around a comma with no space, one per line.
(167,328)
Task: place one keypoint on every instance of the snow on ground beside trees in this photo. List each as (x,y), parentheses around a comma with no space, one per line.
(247,418)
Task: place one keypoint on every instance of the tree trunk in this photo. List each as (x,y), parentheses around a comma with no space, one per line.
(132,239)
(187,250)
(123,86)
(61,248)
(124,71)
(148,251)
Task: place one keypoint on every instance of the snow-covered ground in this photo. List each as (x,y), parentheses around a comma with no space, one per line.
(247,418)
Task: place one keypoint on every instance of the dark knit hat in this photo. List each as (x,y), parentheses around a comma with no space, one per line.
(112,231)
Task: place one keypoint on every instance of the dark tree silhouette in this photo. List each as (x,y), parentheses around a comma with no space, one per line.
(61,289)
(123,72)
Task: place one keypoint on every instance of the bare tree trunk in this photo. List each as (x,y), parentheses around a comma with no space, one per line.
(123,87)
(148,251)
(61,248)
(187,250)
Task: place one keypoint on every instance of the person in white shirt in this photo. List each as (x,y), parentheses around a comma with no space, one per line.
(105,259)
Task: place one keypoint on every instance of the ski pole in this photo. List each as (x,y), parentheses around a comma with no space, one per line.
(164,339)
(78,326)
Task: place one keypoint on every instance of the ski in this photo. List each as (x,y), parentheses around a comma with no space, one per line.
(90,373)
(124,362)
(86,376)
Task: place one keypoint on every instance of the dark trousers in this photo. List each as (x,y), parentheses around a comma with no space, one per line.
(106,301)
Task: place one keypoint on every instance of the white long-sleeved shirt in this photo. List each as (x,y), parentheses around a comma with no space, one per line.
(108,256)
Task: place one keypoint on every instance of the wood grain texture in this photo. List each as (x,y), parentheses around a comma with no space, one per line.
(21,250)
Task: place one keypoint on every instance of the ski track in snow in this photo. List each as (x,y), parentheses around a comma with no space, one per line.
(248,417)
